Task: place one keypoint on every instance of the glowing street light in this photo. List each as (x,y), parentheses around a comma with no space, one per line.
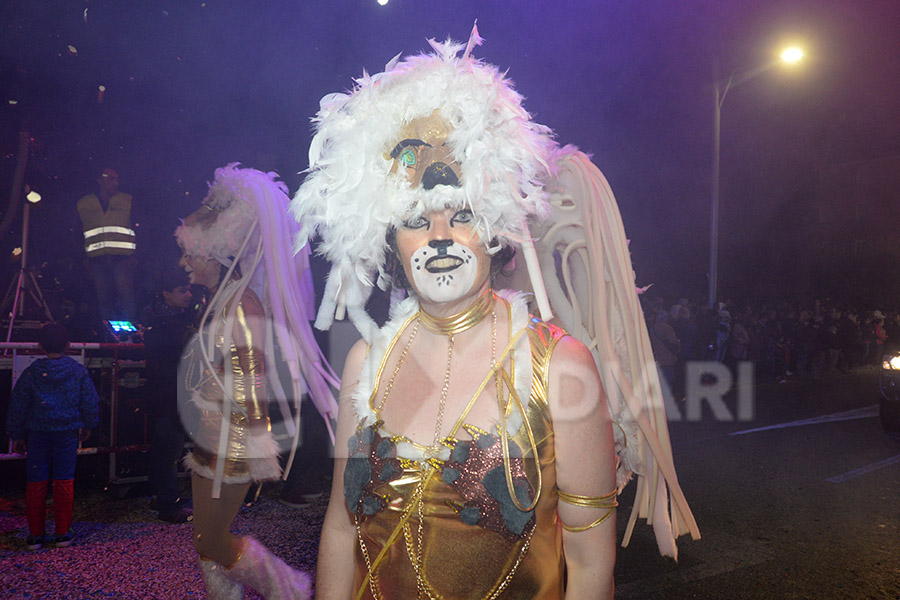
(790,55)
(33,197)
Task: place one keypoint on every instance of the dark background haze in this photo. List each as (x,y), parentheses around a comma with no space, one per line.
(193,85)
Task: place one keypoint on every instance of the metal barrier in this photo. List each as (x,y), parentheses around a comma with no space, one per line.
(119,365)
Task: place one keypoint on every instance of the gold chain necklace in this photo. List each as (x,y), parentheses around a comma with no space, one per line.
(390,385)
(415,546)
(435,446)
(448,326)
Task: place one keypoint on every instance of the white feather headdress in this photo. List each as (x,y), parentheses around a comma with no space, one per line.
(230,197)
(351,199)
(245,223)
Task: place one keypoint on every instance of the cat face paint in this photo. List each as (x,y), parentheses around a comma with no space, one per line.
(443,256)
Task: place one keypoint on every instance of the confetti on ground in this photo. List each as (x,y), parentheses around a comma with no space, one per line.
(122,551)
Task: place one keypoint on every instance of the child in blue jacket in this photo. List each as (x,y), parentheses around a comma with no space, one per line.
(54,405)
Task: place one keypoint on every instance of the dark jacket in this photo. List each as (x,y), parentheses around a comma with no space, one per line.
(166,329)
(53,394)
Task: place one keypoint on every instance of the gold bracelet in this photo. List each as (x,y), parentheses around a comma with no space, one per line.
(604,501)
(609,512)
(607,501)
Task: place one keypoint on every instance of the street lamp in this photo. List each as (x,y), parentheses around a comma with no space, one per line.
(790,55)
(25,281)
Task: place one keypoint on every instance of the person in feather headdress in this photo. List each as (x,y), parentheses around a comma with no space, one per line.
(468,431)
(237,245)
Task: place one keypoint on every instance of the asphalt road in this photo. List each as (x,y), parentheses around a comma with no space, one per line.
(803,501)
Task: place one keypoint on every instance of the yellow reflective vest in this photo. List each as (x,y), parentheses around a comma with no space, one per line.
(107,232)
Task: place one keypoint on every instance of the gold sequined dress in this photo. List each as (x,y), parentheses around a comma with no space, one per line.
(201,400)
(465,539)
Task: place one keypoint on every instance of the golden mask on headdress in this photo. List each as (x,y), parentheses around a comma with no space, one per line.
(425,154)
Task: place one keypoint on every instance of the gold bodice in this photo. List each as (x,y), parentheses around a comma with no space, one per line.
(245,378)
(466,540)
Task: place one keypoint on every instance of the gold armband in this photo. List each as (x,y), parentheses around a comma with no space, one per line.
(607,501)
(604,501)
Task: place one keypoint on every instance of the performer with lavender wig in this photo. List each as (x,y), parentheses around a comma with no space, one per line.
(237,245)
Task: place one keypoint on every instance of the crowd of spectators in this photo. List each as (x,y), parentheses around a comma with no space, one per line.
(783,339)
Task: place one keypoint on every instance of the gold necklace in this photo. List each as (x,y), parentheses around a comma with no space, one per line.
(415,544)
(461,321)
(435,446)
(415,548)
(390,385)
(448,326)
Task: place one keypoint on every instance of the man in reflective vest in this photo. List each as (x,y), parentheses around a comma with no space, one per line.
(109,243)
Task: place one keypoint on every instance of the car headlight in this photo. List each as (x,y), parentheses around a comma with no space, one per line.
(891,362)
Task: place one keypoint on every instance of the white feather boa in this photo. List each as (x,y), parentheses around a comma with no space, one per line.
(351,199)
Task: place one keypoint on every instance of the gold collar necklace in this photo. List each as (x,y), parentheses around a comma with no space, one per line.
(462,321)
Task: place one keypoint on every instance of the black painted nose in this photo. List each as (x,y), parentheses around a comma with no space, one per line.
(439,173)
(441,246)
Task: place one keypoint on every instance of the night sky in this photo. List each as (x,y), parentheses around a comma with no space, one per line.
(193,85)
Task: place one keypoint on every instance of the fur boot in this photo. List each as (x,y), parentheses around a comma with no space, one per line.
(269,575)
(219,586)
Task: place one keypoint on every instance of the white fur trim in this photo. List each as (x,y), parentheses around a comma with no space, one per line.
(411,452)
(218,584)
(376,353)
(262,445)
(190,463)
(521,354)
(262,458)
(262,450)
